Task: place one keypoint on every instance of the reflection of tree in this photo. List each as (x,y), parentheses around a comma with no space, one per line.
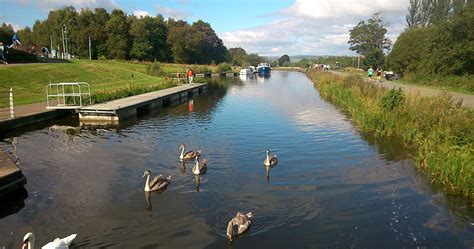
(13,202)
(205,104)
(391,148)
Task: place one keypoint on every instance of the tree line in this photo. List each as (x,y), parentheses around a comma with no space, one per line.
(438,40)
(116,35)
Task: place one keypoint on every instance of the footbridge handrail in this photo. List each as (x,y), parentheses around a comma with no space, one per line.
(67,95)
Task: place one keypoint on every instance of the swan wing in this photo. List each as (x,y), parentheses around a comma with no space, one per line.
(191,154)
(202,167)
(159,182)
(60,243)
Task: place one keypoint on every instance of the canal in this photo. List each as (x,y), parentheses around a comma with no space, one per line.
(334,187)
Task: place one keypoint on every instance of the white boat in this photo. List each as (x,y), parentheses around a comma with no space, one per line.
(253,69)
(245,71)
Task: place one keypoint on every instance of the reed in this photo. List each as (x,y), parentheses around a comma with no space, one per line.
(438,128)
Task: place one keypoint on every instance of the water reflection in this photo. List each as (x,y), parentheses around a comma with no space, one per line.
(337,189)
(197,178)
(267,173)
(182,167)
(13,202)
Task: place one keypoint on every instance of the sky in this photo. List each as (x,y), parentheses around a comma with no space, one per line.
(266,27)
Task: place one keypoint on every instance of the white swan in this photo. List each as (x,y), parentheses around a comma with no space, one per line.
(64,243)
(188,155)
(239,224)
(270,160)
(200,167)
(159,182)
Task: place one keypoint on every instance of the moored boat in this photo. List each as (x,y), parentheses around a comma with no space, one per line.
(263,68)
(245,71)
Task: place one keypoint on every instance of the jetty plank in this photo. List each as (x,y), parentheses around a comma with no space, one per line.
(11,177)
(126,107)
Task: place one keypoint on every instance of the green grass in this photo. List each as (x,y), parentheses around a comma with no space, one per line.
(29,80)
(440,130)
(453,83)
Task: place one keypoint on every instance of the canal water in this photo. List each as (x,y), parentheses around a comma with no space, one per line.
(334,187)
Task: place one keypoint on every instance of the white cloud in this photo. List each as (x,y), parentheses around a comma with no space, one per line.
(15,27)
(318,27)
(172,13)
(141,13)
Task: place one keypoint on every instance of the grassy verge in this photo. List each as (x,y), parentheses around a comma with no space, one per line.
(439,130)
(112,77)
(293,69)
(461,84)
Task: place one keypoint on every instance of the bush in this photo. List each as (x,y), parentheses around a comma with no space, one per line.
(104,96)
(154,69)
(391,99)
(224,67)
(15,55)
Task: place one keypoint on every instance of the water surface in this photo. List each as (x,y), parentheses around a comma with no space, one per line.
(333,188)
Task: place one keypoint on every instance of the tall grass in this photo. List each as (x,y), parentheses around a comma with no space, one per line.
(107,95)
(441,131)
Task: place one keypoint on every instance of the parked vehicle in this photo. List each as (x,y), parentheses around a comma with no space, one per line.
(390,75)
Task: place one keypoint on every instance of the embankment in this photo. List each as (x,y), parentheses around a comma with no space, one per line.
(438,128)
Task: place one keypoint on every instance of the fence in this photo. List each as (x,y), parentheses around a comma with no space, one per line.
(67,95)
(7,107)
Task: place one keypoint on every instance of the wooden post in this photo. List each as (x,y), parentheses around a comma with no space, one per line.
(90,52)
(12,108)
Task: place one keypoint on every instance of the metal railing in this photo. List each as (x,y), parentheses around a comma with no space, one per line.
(67,95)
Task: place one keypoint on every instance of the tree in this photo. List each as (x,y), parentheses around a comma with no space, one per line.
(414,16)
(283,60)
(6,33)
(253,59)
(118,39)
(237,56)
(368,39)
(443,48)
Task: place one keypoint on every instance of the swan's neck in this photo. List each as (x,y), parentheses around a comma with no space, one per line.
(268,156)
(182,151)
(30,244)
(196,168)
(147,183)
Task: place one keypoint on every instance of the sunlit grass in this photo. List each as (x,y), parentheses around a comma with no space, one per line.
(29,81)
(439,129)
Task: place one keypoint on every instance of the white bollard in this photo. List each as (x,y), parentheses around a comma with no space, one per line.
(12,108)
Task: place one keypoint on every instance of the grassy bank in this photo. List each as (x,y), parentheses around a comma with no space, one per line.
(439,130)
(114,77)
(461,84)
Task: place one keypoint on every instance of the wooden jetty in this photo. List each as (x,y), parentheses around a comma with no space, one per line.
(11,177)
(113,111)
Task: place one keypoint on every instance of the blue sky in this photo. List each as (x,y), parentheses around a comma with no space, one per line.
(267,27)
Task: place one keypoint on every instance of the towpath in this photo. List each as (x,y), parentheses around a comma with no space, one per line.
(467,99)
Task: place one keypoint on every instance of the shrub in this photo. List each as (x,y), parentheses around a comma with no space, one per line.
(391,99)
(154,69)
(224,67)
(15,55)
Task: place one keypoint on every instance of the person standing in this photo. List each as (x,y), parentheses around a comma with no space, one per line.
(15,40)
(190,76)
(379,73)
(370,72)
(3,52)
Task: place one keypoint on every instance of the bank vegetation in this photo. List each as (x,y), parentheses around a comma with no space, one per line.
(438,129)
